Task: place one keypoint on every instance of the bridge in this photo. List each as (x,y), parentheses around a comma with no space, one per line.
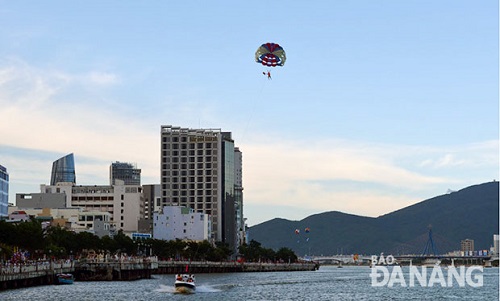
(447,259)
(486,260)
(341,259)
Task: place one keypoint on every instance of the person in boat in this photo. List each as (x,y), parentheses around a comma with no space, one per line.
(179,277)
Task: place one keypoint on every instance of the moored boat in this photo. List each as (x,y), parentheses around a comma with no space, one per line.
(185,283)
(64,279)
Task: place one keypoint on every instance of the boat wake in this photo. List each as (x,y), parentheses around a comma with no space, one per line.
(199,289)
(207,289)
(166,289)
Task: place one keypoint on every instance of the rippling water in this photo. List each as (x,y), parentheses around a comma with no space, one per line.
(328,283)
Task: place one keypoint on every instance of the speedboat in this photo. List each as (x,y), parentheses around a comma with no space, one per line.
(184,283)
(64,279)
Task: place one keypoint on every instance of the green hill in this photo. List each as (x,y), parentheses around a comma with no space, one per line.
(469,213)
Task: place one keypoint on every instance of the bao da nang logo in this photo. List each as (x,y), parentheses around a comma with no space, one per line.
(383,274)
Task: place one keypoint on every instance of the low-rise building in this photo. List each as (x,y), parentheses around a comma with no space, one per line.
(177,222)
(41,200)
(19,216)
(75,219)
(122,202)
(467,246)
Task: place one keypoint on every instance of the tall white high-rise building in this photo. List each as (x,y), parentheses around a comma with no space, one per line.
(201,170)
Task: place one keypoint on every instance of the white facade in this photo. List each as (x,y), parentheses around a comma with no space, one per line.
(496,240)
(122,202)
(238,193)
(176,222)
(78,219)
(87,219)
(19,215)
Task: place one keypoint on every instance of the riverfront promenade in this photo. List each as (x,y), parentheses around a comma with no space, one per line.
(32,273)
(127,268)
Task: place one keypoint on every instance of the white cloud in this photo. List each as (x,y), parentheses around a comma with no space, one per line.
(102,78)
(35,117)
(465,156)
(351,176)
(299,174)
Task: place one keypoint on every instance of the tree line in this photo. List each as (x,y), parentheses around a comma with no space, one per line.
(58,242)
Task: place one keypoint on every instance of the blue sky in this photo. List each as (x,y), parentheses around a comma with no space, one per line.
(381,104)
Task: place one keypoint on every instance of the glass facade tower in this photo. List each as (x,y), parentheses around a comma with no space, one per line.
(127,172)
(4,193)
(228,196)
(63,170)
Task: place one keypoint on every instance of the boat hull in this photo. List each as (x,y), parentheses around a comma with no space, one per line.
(64,279)
(184,283)
(185,288)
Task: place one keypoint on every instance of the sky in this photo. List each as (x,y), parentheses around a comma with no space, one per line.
(380,104)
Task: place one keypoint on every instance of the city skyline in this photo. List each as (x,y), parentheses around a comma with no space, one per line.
(378,106)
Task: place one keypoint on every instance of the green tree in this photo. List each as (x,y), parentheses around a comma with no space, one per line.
(8,233)
(204,250)
(252,251)
(109,244)
(125,243)
(29,236)
(286,254)
(60,241)
(160,248)
(86,240)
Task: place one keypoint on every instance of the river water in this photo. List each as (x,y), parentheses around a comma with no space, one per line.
(328,283)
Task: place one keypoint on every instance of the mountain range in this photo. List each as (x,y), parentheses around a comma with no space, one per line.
(470,213)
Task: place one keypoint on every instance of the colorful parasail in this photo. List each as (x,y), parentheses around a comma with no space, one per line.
(270,55)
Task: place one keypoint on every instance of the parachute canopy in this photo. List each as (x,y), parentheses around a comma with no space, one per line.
(271,55)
